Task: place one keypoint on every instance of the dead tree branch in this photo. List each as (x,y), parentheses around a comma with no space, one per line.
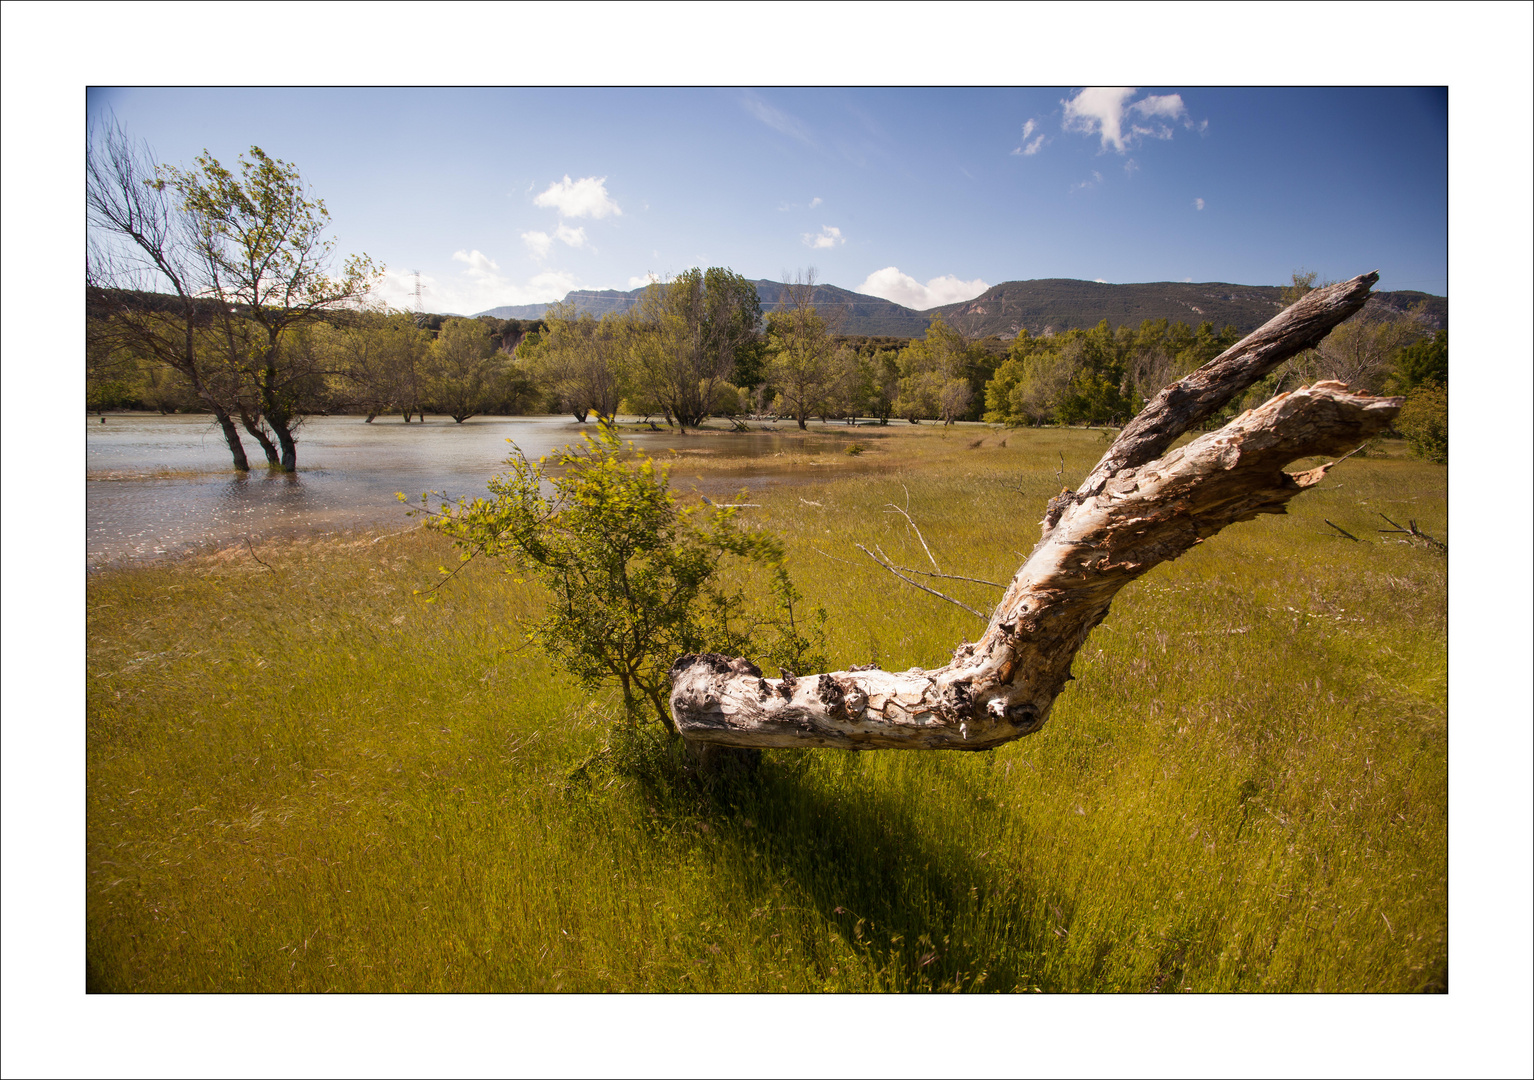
(1142,505)
(884,562)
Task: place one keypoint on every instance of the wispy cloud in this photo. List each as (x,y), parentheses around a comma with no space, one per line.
(1131,167)
(1090,182)
(815,202)
(640,282)
(891,284)
(538,243)
(1026,148)
(828,237)
(1108,113)
(775,118)
(586,197)
(1198,204)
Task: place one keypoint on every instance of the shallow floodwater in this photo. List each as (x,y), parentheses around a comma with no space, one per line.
(159,485)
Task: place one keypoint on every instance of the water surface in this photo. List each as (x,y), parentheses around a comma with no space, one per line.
(159,485)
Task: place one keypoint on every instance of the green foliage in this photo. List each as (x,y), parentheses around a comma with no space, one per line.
(801,353)
(935,372)
(634,579)
(690,332)
(1424,364)
(463,369)
(1424,420)
(1097,376)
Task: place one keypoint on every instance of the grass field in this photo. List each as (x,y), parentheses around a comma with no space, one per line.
(303,778)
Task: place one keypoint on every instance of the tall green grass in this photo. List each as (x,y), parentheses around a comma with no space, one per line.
(302,777)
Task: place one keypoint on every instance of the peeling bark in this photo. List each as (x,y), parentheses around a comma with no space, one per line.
(1139,507)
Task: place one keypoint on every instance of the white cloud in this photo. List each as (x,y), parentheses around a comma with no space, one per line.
(1026,148)
(573,237)
(891,284)
(538,243)
(1131,167)
(815,202)
(586,197)
(1101,280)
(828,237)
(477,287)
(640,282)
(1104,110)
(1198,204)
(480,264)
(550,285)
(1099,110)
(1168,105)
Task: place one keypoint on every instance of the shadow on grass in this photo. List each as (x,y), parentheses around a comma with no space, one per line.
(923,909)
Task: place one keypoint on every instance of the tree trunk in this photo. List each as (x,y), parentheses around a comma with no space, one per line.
(231,436)
(1139,507)
(288,441)
(267,446)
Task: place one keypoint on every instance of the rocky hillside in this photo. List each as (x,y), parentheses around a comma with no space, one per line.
(1040,306)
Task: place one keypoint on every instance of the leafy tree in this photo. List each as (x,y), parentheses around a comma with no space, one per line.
(1424,364)
(261,242)
(691,331)
(382,358)
(462,367)
(934,375)
(800,351)
(1424,421)
(582,363)
(634,580)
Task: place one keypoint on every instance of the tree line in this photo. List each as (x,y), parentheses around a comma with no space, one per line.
(216,290)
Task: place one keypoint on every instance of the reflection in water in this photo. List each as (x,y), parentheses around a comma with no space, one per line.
(162,484)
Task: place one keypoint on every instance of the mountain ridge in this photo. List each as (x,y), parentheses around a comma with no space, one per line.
(1038,305)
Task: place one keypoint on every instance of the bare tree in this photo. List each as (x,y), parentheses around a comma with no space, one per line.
(1142,504)
(143,284)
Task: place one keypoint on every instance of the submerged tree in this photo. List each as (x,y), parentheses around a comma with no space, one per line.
(690,332)
(265,259)
(145,282)
(463,369)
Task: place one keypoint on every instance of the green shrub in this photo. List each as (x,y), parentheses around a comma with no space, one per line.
(1424,421)
(634,580)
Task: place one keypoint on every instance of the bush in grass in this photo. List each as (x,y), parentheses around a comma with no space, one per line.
(634,579)
(1424,421)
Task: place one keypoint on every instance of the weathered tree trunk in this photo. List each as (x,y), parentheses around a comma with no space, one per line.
(1139,507)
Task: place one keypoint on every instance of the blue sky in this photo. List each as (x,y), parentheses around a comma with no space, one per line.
(922,195)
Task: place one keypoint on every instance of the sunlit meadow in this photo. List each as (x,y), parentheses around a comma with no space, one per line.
(302,777)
